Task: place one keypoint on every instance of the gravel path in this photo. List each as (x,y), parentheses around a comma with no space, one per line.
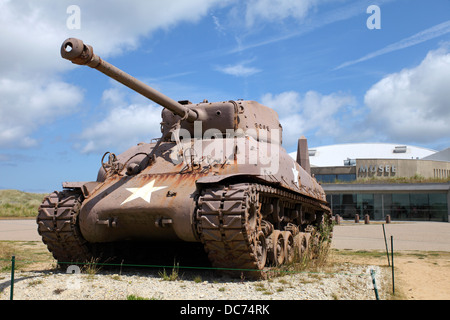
(350,282)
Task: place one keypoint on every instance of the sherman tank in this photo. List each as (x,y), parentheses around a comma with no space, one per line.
(218,177)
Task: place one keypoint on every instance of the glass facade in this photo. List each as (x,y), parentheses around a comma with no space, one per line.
(400,206)
(332,178)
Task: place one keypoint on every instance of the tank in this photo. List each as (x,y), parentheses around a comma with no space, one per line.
(218,177)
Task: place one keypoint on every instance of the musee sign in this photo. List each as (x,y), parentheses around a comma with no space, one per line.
(387,169)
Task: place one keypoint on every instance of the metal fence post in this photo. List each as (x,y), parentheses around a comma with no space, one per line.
(13,260)
(392,259)
(385,242)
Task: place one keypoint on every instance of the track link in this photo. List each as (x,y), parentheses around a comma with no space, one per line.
(227,223)
(57,225)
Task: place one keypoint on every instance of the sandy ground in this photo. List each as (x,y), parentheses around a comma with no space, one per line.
(417,275)
(421,255)
(421,260)
(423,278)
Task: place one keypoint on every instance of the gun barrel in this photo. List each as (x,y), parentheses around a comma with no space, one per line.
(76,51)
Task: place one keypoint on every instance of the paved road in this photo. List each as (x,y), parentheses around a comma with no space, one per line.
(423,236)
(19,230)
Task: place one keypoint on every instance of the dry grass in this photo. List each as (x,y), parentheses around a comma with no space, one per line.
(28,255)
(18,204)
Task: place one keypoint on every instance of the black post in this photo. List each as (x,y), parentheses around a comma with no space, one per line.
(385,242)
(13,260)
(392,258)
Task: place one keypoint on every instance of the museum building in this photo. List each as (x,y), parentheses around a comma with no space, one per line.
(375,179)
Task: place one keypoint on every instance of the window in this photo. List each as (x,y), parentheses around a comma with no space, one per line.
(400,206)
(325,178)
(332,178)
(346,177)
(400,149)
(350,162)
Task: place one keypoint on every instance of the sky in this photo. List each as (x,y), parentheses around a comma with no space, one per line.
(336,71)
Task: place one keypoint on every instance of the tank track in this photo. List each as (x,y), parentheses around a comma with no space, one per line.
(57,225)
(225,218)
(231,227)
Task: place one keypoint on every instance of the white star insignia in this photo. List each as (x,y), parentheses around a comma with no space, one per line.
(295,172)
(144,192)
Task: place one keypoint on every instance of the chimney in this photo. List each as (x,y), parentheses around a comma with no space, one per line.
(303,154)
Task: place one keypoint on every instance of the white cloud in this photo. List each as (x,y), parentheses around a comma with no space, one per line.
(312,114)
(129,119)
(26,105)
(410,106)
(122,128)
(218,26)
(36,29)
(31,64)
(413,105)
(120,26)
(276,10)
(239,69)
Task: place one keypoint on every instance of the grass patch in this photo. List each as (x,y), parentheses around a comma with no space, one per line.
(134,297)
(173,276)
(27,254)
(362,253)
(19,204)
(91,268)
(35,282)
(262,288)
